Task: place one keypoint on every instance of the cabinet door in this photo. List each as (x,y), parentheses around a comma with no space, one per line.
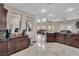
(75,41)
(11,47)
(18,45)
(3,14)
(68,39)
(24,44)
(51,37)
(21,43)
(60,38)
(3,48)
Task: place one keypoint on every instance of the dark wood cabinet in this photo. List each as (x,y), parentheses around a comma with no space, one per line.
(75,43)
(51,37)
(3,44)
(11,47)
(71,39)
(18,44)
(3,14)
(3,48)
(60,38)
(75,40)
(24,44)
(67,39)
(21,43)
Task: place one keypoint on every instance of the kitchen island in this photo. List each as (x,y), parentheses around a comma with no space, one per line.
(13,45)
(71,39)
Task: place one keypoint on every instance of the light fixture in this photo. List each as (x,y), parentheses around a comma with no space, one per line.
(70,9)
(50,15)
(43,10)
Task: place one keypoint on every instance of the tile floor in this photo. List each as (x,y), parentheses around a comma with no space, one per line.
(41,48)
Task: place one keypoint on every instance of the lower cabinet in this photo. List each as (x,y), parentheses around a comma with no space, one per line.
(60,38)
(24,44)
(75,44)
(3,48)
(75,41)
(21,43)
(51,37)
(11,47)
(18,45)
(70,39)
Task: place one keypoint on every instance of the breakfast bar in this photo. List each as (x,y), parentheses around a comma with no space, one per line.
(71,39)
(12,45)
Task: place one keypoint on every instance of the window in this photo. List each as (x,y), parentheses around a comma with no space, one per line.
(49,28)
(52,27)
(44,27)
(44,19)
(67,27)
(14,21)
(39,20)
(62,27)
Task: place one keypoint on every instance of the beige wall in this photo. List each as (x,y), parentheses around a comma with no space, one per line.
(57,25)
(23,16)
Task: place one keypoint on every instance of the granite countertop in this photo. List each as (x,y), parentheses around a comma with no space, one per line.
(5,40)
(65,33)
(2,40)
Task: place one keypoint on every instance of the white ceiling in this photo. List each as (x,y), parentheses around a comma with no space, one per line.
(58,10)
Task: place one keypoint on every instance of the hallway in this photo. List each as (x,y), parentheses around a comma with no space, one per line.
(41,48)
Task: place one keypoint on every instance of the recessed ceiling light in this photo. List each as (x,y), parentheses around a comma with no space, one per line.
(43,10)
(70,9)
(50,15)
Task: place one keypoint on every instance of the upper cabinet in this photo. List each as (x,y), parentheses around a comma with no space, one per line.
(3,14)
